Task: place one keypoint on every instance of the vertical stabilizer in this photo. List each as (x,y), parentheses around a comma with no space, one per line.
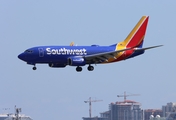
(136,36)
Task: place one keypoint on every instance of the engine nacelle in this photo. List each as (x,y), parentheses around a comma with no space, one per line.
(56,65)
(76,61)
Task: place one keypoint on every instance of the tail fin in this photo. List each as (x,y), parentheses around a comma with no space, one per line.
(136,36)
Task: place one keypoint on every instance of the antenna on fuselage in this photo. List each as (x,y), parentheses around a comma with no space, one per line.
(72,44)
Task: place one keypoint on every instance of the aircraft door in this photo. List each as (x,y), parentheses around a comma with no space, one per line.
(41,52)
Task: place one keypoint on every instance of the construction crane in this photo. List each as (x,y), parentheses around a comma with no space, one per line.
(17,112)
(90,104)
(125,95)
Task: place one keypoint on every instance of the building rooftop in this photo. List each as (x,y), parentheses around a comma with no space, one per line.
(106,112)
(152,110)
(126,102)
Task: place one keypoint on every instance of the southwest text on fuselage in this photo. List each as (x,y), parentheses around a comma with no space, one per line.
(64,51)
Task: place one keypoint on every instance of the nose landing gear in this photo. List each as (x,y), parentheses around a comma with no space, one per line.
(34,68)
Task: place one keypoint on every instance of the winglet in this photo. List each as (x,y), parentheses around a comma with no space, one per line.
(136,36)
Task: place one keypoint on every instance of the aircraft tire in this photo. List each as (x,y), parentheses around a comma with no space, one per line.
(90,68)
(78,69)
(34,68)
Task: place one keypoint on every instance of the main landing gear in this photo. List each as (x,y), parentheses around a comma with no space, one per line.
(78,69)
(89,68)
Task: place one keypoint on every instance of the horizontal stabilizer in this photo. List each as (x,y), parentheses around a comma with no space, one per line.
(138,49)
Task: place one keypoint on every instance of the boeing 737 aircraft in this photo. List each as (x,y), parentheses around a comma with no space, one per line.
(61,56)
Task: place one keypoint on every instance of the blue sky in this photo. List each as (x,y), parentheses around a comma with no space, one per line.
(60,93)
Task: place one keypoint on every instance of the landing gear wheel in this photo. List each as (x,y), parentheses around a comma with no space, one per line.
(78,69)
(90,68)
(34,68)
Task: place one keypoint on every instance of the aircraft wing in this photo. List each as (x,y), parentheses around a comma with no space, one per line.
(96,58)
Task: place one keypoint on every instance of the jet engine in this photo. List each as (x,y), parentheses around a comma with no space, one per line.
(76,61)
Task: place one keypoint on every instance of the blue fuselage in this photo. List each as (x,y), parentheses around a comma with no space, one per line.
(60,54)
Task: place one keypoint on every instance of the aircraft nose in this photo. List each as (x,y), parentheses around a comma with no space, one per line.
(21,56)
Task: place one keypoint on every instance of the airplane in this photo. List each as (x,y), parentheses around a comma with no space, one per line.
(78,56)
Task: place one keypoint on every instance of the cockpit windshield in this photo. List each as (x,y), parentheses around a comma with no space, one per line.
(28,51)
